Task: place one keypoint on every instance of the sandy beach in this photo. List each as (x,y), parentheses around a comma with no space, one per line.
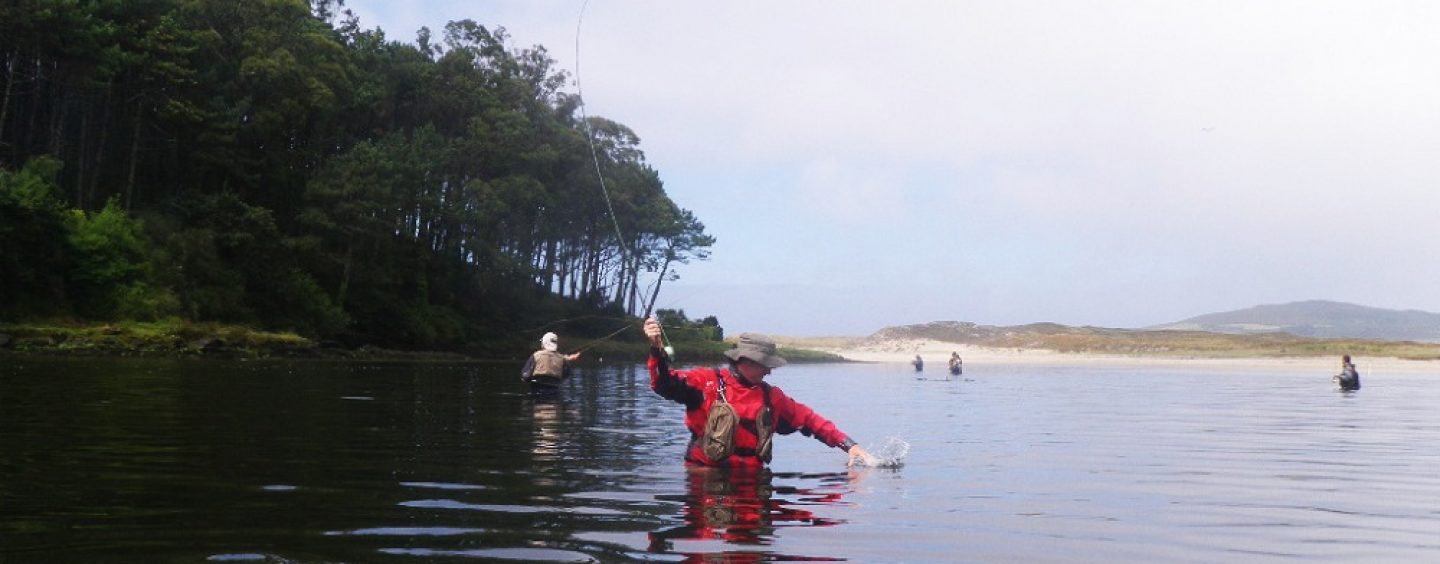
(936,353)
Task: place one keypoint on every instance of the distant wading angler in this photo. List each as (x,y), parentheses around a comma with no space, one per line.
(547,367)
(1348,379)
(732,414)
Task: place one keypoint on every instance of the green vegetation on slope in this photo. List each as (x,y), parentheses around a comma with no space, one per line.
(271,164)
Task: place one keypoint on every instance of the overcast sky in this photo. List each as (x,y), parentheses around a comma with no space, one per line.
(1118,164)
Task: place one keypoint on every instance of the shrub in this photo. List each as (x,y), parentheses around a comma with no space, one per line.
(33,249)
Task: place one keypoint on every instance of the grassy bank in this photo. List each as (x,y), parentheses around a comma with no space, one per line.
(174,339)
(697,352)
(182,339)
(1148,343)
(1211,345)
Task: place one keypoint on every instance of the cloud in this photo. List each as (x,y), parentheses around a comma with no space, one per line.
(1107,162)
(851,195)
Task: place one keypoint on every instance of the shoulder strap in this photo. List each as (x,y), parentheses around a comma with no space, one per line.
(720,383)
(764,392)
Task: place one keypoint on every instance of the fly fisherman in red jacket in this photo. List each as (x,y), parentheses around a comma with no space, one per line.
(759,409)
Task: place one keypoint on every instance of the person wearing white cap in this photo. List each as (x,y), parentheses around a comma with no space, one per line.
(547,367)
(732,414)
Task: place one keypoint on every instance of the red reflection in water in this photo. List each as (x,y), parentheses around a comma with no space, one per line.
(739,507)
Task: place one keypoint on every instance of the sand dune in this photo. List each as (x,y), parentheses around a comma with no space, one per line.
(936,353)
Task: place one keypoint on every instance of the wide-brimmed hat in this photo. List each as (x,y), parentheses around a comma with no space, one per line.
(758,348)
(550,342)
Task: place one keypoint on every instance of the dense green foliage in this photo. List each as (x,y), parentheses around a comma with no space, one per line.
(271,163)
(678,327)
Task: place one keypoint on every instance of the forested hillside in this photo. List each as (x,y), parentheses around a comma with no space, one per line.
(273,163)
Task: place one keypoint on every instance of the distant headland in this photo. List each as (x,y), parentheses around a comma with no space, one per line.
(1309,329)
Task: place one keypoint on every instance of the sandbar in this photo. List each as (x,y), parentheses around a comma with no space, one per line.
(936,353)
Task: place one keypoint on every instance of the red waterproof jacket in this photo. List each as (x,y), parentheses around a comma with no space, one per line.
(697,389)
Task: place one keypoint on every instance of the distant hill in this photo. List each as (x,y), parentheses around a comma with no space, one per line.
(1318,318)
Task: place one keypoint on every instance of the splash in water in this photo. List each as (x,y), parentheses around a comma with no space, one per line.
(891,454)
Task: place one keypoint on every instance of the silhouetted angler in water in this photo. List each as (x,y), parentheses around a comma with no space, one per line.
(955,363)
(547,367)
(1348,379)
(919,364)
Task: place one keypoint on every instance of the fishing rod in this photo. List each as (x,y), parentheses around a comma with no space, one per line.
(669,350)
(595,159)
(597,341)
(569,319)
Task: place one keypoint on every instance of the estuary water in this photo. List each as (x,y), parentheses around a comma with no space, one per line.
(231,461)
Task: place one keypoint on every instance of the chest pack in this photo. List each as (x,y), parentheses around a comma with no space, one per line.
(549,363)
(718,440)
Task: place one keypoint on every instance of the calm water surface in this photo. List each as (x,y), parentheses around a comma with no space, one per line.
(196,461)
